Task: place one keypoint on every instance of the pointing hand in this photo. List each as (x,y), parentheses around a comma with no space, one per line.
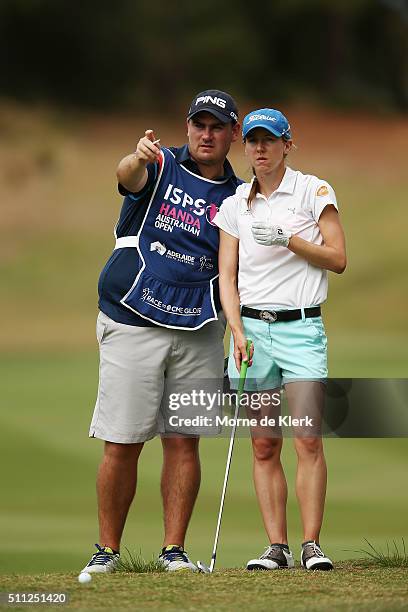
(148,148)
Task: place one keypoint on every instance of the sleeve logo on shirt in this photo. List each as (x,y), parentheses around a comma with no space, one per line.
(322,191)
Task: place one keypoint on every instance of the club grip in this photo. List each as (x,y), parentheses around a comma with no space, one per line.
(244,368)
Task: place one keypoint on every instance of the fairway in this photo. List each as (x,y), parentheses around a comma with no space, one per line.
(48,517)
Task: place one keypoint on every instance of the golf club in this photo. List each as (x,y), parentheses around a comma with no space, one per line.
(242,375)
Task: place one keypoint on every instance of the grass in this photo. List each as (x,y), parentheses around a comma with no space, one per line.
(135,563)
(394,557)
(48,467)
(352,586)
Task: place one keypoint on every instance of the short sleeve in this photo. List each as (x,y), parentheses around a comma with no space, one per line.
(322,196)
(226,217)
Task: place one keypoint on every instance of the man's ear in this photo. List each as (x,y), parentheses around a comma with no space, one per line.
(236,128)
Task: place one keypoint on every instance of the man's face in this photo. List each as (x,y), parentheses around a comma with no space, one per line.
(209,139)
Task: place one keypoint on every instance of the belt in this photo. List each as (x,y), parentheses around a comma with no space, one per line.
(270,316)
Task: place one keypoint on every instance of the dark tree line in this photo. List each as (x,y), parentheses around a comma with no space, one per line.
(133,54)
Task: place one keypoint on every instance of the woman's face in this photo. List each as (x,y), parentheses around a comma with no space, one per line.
(265,151)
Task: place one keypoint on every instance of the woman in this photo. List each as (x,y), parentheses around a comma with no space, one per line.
(282,232)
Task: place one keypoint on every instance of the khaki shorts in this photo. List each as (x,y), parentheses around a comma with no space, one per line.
(136,364)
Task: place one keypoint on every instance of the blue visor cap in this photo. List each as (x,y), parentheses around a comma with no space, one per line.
(272,120)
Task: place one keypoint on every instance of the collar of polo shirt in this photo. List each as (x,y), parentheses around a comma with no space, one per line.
(287,184)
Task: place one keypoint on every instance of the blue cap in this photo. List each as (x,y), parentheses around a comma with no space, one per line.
(270,119)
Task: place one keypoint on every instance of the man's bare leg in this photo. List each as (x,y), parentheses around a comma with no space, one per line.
(116,487)
(180,482)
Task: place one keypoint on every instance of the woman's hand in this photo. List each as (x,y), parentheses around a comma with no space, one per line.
(240,352)
(267,234)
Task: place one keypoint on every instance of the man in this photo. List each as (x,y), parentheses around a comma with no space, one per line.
(158,300)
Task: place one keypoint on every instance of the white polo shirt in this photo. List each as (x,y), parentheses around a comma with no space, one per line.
(273,276)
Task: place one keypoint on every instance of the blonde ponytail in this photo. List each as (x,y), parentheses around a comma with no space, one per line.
(253,192)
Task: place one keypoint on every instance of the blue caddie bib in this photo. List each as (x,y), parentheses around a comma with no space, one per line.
(178,248)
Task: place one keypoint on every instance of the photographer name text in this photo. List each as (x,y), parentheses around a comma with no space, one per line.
(226,421)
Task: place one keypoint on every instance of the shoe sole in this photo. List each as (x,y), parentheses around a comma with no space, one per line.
(267,569)
(323,567)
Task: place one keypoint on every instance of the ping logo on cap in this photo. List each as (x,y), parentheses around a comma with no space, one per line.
(216,102)
(205,99)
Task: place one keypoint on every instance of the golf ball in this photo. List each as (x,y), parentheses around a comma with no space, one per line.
(84,578)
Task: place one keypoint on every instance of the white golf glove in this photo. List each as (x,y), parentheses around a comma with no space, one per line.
(268,235)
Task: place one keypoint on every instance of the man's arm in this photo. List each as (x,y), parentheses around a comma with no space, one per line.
(131,171)
(228,267)
(331,255)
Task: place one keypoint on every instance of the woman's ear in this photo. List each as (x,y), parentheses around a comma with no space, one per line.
(287,145)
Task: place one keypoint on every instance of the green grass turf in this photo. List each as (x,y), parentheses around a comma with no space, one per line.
(48,465)
(352,587)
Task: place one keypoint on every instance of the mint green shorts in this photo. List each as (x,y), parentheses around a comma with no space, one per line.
(283,352)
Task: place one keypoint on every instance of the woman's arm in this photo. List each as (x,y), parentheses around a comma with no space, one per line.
(228,267)
(331,255)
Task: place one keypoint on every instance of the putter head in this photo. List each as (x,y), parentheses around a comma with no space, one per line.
(202,567)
